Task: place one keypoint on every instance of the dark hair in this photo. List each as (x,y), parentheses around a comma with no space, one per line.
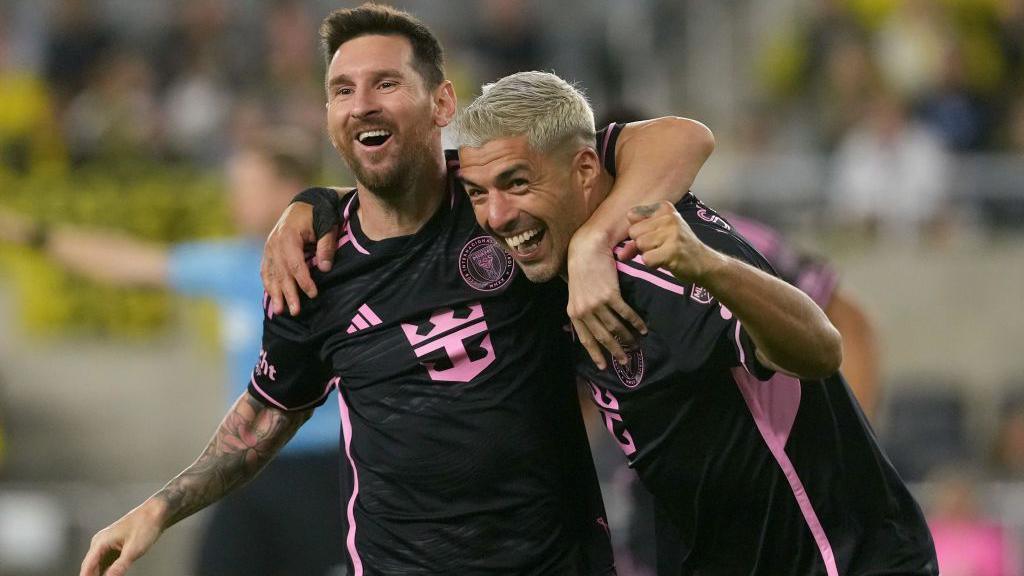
(344,25)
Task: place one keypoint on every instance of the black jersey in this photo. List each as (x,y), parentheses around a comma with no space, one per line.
(752,472)
(464,451)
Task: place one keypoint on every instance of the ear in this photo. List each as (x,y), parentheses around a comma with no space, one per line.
(445,104)
(586,169)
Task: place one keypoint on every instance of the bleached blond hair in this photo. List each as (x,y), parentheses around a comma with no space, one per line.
(546,109)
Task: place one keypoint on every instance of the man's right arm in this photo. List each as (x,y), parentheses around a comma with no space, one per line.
(248,437)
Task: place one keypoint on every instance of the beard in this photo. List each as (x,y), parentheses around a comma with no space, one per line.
(394,177)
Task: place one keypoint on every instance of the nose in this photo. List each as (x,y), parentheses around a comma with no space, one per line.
(501,213)
(365,104)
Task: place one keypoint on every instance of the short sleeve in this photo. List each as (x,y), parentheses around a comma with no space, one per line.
(290,373)
(606,140)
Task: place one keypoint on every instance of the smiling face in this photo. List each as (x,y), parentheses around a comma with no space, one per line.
(531,203)
(381,115)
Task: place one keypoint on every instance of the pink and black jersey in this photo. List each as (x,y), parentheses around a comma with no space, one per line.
(463,447)
(752,472)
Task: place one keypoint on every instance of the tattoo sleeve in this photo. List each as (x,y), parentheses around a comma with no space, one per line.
(248,437)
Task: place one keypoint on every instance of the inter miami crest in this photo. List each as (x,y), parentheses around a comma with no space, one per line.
(632,372)
(484,265)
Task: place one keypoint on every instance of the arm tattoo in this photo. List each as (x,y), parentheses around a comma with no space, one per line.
(248,437)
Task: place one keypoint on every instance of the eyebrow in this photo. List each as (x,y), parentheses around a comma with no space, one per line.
(505,175)
(377,75)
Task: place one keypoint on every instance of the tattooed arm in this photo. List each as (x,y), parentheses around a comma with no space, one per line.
(248,437)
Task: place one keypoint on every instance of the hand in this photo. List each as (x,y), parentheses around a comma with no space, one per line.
(115,548)
(666,241)
(284,262)
(596,309)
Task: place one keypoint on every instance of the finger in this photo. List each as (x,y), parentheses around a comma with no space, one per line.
(589,344)
(298,271)
(119,568)
(628,314)
(607,341)
(640,213)
(619,331)
(627,252)
(291,293)
(91,562)
(325,248)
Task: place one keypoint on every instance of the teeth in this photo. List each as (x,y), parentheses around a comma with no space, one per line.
(371,133)
(515,241)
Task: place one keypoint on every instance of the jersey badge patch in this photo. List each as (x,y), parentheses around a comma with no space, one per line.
(632,372)
(484,265)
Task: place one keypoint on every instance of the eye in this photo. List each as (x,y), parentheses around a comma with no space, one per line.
(519,183)
(387,85)
(343,91)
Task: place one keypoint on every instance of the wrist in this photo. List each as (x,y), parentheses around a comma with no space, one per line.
(713,271)
(592,239)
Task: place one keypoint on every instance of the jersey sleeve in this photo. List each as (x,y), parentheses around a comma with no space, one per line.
(290,373)
(606,140)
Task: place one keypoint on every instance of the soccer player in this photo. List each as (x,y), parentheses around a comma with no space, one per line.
(731,410)
(463,448)
(300,488)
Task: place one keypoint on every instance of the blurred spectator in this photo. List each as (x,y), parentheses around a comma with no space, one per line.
(1008,450)
(197,109)
(967,542)
(508,39)
(952,109)
(300,487)
(77,43)
(116,117)
(911,47)
(29,135)
(890,174)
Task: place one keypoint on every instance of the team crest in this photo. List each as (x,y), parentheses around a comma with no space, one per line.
(632,372)
(484,265)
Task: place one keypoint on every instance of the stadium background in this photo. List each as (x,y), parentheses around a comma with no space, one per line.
(118,113)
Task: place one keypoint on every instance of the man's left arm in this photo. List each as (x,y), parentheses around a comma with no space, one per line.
(653,160)
(790,332)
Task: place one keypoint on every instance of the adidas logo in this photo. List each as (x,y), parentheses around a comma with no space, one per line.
(363,319)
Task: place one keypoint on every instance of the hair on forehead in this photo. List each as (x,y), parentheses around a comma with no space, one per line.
(539,105)
(343,25)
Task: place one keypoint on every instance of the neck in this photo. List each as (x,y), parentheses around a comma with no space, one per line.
(406,208)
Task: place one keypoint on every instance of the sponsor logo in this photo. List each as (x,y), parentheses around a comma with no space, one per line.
(484,265)
(632,372)
(453,344)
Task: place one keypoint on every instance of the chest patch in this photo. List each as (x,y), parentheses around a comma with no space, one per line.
(484,265)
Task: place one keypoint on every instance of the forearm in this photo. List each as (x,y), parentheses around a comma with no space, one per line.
(654,160)
(248,437)
(790,331)
(108,257)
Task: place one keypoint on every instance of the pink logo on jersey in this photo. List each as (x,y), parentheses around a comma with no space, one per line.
(484,265)
(707,216)
(632,372)
(453,344)
(608,405)
(700,295)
